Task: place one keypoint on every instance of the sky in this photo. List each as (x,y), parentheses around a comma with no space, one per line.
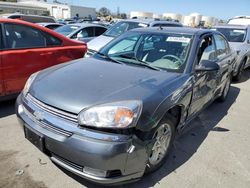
(223,9)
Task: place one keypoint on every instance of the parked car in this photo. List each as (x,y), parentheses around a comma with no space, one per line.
(81,31)
(113,117)
(26,48)
(51,26)
(30,18)
(239,39)
(239,20)
(123,26)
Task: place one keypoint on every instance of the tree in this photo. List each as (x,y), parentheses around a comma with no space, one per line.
(104,12)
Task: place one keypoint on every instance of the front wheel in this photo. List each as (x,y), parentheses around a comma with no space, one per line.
(226,89)
(162,137)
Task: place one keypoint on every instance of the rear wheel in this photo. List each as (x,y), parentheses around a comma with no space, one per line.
(226,89)
(162,137)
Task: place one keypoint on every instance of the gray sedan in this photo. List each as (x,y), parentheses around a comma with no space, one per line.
(81,31)
(113,117)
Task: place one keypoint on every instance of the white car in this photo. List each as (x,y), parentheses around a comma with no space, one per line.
(240,20)
(239,39)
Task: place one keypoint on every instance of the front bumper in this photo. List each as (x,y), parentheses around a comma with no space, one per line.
(122,157)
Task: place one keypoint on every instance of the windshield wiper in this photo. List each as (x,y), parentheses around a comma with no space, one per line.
(108,58)
(142,63)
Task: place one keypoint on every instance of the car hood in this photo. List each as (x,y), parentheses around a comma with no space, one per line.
(83,83)
(97,43)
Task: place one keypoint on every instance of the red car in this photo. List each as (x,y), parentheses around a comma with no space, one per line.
(26,48)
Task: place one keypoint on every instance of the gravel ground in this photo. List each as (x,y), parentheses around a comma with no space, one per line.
(213,152)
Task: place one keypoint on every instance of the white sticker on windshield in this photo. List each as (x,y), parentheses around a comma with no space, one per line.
(238,31)
(178,39)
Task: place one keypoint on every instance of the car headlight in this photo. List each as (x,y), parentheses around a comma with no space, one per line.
(121,114)
(29,82)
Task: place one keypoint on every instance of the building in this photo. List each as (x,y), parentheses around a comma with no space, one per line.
(143,15)
(41,7)
(9,7)
(173,16)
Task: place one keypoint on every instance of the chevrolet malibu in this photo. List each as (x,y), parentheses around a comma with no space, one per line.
(113,117)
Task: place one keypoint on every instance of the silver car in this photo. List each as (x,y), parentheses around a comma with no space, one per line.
(81,31)
(239,39)
(123,26)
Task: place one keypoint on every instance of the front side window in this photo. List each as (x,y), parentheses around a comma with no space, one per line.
(221,46)
(233,35)
(207,49)
(84,33)
(167,51)
(20,36)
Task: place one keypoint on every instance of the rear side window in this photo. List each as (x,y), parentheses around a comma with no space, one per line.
(99,31)
(51,40)
(20,36)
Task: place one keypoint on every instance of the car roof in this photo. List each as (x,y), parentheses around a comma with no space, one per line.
(232,26)
(86,25)
(182,30)
(150,21)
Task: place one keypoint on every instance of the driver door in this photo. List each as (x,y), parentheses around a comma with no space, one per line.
(205,81)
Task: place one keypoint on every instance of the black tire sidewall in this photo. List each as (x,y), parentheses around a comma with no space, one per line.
(169,120)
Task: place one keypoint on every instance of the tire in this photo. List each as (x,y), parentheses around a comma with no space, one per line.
(167,125)
(226,90)
(241,69)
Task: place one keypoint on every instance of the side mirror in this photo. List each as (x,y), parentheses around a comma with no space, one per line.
(207,65)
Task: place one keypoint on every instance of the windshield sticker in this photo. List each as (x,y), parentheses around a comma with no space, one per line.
(178,39)
(238,31)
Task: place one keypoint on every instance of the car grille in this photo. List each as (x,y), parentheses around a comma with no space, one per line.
(71,164)
(52,110)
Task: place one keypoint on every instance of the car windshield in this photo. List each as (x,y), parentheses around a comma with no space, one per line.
(66,29)
(121,27)
(167,51)
(233,35)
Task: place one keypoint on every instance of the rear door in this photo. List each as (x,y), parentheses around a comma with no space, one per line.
(224,59)
(23,55)
(1,68)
